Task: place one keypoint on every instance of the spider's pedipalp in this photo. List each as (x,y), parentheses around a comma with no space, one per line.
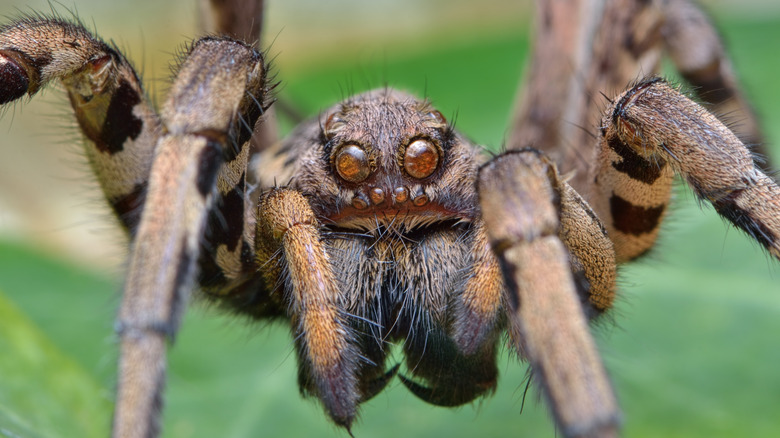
(181,190)
(328,360)
(477,309)
(591,252)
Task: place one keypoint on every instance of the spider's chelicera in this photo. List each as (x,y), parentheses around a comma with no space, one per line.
(377,223)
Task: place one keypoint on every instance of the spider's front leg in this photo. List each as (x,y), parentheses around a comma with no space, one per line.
(556,260)
(651,132)
(119,125)
(212,106)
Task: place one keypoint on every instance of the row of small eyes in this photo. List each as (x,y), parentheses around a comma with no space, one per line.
(420,159)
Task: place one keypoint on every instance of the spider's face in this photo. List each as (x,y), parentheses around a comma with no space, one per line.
(385,159)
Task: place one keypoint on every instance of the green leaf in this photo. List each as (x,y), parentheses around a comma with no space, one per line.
(43,392)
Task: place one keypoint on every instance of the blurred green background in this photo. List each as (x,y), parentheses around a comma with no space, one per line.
(693,348)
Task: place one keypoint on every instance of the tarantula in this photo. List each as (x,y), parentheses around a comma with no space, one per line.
(377,222)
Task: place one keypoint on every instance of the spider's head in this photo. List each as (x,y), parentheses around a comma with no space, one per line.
(386,159)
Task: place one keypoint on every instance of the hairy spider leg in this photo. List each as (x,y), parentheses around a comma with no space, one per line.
(653,131)
(579,56)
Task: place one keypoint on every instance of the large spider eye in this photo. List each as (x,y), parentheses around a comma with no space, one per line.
(352,163)
(421,158)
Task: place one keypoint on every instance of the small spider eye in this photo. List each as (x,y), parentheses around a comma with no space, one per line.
(352,163)
(435,119)
(421,158)
(333,124)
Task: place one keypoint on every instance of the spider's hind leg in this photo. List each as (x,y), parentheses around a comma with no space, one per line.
(119,124)
(242,19)
(693,44)
(586,48)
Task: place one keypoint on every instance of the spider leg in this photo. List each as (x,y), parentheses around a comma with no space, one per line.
(693,44)
(226,269)
(219,82)
(228,263)
(548,325)
(242,19)
(327,355)
(587,47)
(119,125)
(652,131)
(591,252)
(581,48)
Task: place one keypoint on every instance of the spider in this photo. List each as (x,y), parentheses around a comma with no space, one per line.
(351,165)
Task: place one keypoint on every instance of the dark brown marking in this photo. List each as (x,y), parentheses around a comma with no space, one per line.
(231,226)
(283,150)
(120,123)
(246,125)
(583,288)
(128,207)
(41,62)
(631,219)
(210,275)
(633,165)
(14,80)
(290,160)
(591,214)
(184,276)
(224,225)
(208,163)
(509,271)
(739,217)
